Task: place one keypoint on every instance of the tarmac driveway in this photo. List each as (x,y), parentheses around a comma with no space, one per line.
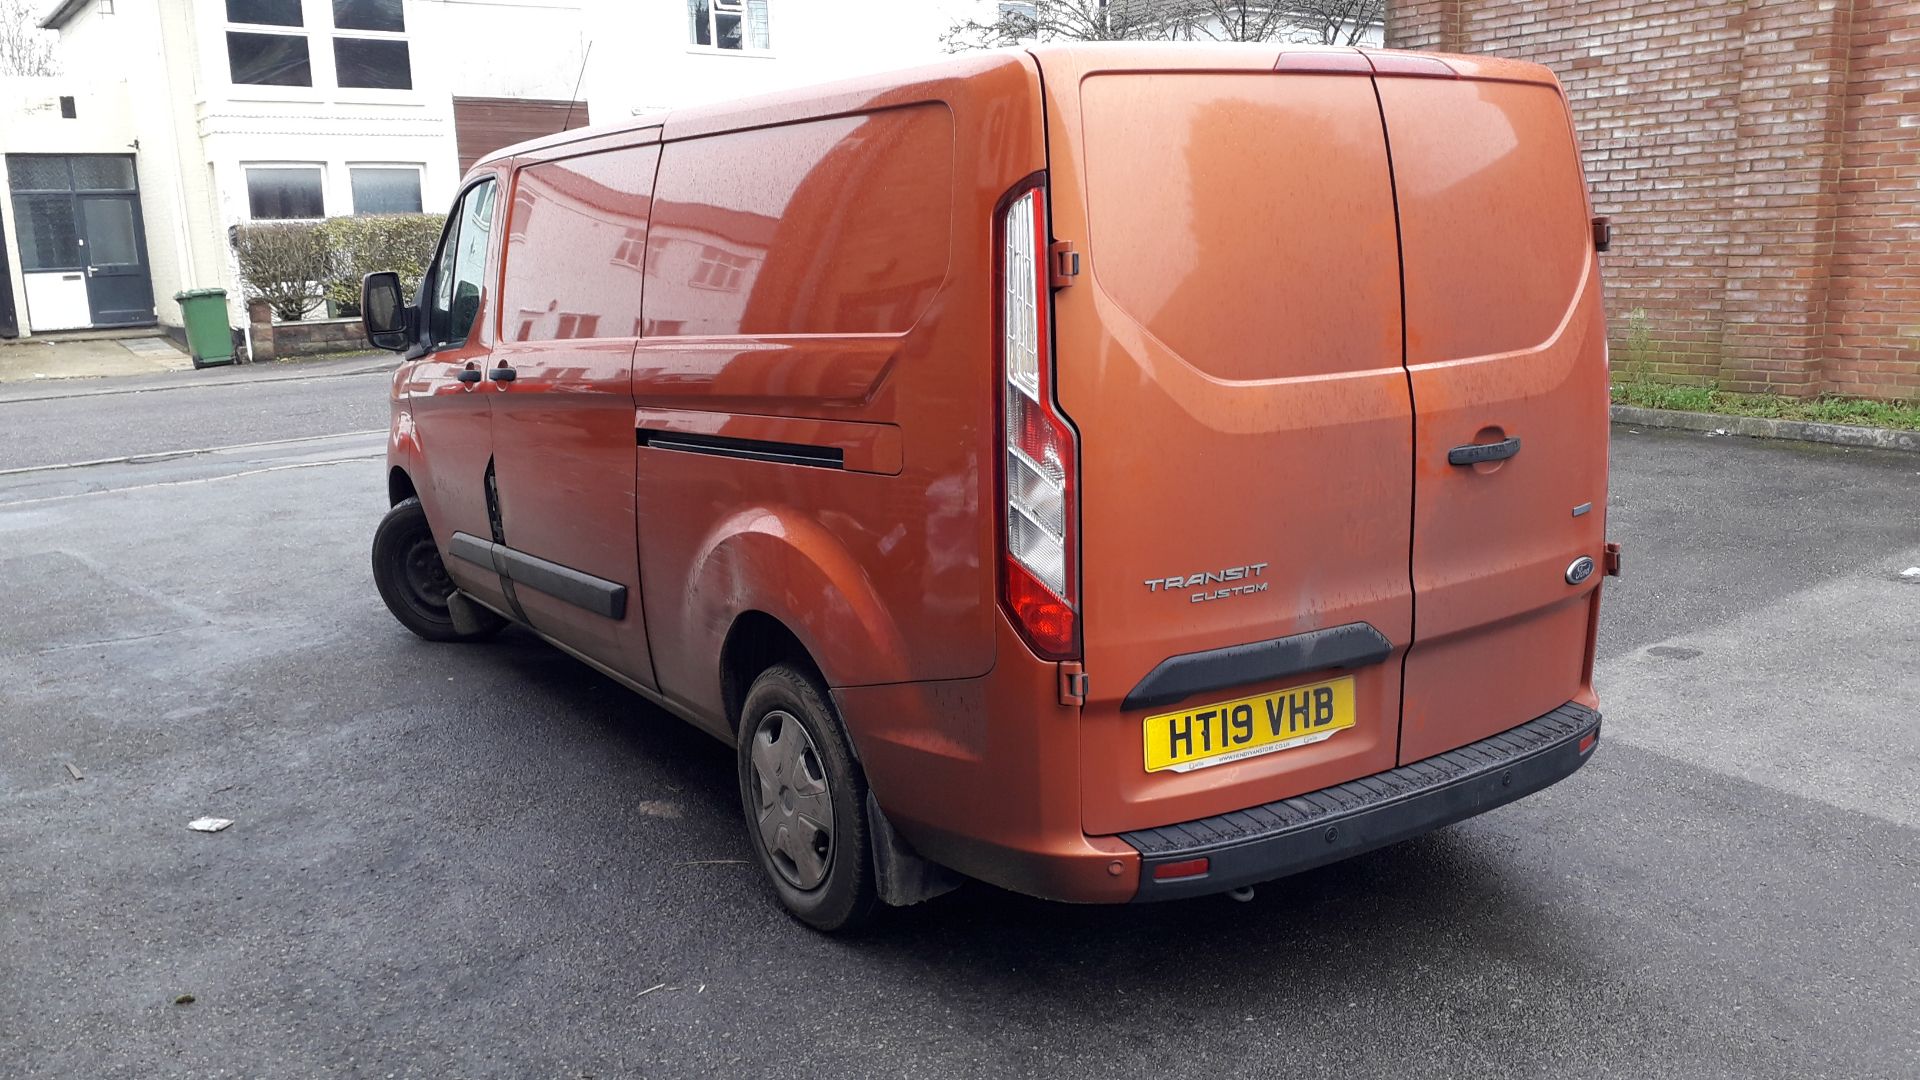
(489,861)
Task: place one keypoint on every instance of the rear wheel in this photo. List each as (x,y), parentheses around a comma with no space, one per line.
(413,581)
(805,801)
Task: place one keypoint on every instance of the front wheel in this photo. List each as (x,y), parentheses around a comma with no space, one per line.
(805,800)
(413,581)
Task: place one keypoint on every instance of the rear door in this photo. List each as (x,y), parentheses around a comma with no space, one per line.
(1505,341)
(1230,356)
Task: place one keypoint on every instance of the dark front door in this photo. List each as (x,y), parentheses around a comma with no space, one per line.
(119,292)
(9,322)
(83,249)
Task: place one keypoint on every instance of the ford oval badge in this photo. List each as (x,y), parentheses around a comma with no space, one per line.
(1581,570)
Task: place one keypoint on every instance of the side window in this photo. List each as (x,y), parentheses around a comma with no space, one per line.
(568,217)
(461,268)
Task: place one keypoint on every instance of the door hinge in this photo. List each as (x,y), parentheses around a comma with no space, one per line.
(1073,683)
(1063,264)
(1612,564)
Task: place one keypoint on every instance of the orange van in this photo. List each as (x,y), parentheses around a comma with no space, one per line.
(1115,473)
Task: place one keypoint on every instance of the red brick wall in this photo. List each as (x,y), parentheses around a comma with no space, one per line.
(1761,162)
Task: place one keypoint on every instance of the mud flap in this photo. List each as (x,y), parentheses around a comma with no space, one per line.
(466,615)
(902,877)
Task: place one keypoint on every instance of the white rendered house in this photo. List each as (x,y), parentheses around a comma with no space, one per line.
(208,113)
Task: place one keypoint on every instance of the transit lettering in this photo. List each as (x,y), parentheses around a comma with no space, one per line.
(1209,577)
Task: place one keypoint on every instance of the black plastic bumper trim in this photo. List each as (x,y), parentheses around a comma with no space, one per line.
(602,597)
(1179,677)
(1261,843)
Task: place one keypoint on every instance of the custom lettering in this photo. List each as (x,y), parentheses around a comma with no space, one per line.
(1322,706)
(1242,724)
(1179,733)
(1222,594)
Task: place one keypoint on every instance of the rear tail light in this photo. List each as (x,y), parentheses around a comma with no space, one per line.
(1039,515)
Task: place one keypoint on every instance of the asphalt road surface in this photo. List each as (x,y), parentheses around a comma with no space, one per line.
(463,861)
(67,420)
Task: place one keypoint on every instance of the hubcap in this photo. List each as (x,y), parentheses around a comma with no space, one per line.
(426,574)
(794,807)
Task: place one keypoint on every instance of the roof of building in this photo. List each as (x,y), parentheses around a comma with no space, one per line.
(58,17)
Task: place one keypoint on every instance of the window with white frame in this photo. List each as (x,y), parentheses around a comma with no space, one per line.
(385,189)
(631,249)
(266,43)
(375,56)
(285,192)
(270,44)
(736,25)
(719,270)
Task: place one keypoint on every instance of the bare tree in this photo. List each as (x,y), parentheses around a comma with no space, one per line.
(25,49)
(1335,22)
(1240,20)
(1021,21)
(1324,22)
(1332,22)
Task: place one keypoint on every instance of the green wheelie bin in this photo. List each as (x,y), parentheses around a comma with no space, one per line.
(204,311)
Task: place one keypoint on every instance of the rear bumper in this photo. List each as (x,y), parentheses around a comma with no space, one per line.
(1261,843)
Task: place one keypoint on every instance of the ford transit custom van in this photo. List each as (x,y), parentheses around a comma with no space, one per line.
(1116,473)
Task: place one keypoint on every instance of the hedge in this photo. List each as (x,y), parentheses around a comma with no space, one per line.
(295,265)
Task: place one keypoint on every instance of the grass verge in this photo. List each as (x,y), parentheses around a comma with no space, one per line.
(1904,416)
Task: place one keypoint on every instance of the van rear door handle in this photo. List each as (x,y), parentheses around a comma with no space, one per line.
(468,375)
(1474,453)
(504,373)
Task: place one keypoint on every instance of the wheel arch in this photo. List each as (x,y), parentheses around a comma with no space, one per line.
(755,642)
(399,486)
(771,584)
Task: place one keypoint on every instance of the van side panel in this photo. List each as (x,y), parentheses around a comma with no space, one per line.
(1505,339)
(1231,359)
(818,291)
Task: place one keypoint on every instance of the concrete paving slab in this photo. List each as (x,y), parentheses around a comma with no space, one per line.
(41,359)
(1816,695)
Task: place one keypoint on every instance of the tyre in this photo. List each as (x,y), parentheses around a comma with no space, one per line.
(412,580)
(805,800)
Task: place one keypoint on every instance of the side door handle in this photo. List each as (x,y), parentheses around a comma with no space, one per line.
(504,374)
(1475,453)
(468,375)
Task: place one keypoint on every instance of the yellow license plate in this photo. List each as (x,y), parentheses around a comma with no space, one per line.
(1248,727)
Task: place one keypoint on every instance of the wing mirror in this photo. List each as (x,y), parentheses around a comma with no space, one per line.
(383,311)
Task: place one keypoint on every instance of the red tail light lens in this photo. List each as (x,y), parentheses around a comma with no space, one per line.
(1174,871)
(1038,452)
